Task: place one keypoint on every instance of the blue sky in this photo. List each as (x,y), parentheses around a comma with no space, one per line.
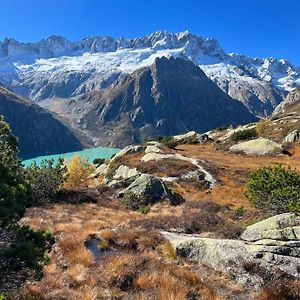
(252,27)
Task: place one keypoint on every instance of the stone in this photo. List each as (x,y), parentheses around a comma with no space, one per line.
(260,146)
(271,244)
(280,227)
(99,171)
(151,188)
(154,156)
(292,137)
(124,172)
(129,150)
(191,136)
(153,149)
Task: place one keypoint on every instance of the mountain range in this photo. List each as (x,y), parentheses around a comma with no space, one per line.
(56,67)
(106,91)
(169,97)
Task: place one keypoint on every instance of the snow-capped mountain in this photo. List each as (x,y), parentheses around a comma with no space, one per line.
(56,67)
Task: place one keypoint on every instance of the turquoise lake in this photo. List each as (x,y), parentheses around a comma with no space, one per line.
(89,154)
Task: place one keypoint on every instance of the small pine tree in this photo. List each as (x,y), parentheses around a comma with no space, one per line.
(275,189)
(46,179)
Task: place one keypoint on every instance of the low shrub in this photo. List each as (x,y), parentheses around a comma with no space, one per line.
(45,180)
(276,189)
(28,251)
(98,161)
(261,127)
(134,201)
(169,250)
(187,222)
(222,128)
(168,141)
(246,134)
(144,210)
(191,141)
(230,231)
(240,211)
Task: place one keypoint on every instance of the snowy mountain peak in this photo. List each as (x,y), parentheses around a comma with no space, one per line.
(57,67)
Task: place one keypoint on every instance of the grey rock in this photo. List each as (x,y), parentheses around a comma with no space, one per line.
(124,172)
(271,244)
(292,137)
(151,188)
(260,146)
(280,227)
(99,171)
(154,156)
(291,99)
(191,136)
(153,149)
(129,150)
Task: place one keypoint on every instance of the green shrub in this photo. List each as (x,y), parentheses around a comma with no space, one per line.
(98,161)
(14,191)
(240,211)
(29,250)
(275,189)
(46,179)
(134,201)
(191,141)
(246,134)
(2,297)
(144,209)
(168,141)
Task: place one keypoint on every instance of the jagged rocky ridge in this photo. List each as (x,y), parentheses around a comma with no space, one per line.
(171,96)
(56,67)
(292,99)
(39,131)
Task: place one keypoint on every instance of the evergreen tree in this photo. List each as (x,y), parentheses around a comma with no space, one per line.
(14,191)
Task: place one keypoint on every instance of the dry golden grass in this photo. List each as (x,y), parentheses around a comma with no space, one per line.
(141,268)
(77,274)
(233,172)
(169,250)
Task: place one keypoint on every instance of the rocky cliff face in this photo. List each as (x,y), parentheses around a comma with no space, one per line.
(39,131)
(56,67)
(292,100)
(172,96)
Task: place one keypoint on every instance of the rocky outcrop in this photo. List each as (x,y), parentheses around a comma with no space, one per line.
(99,171)
(260,146)
(291,99)
(153,149)
(284,227)
(129,150)
(152,189)
(191,137)
(292,137)
(39,131)
(272,244)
